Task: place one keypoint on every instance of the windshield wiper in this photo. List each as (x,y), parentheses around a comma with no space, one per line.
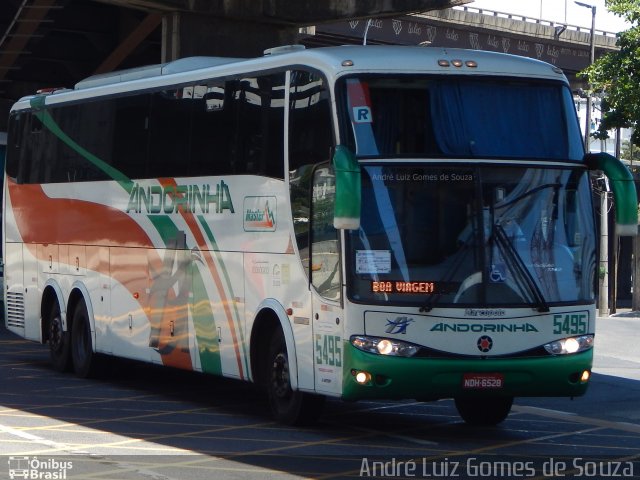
(513,258)
(528,193)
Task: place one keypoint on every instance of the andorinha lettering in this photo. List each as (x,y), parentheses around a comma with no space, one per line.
(481,327)
(156,199)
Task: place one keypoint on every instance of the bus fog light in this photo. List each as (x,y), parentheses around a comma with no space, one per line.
(570,345)
(384,346)
(361,377)
(586,375)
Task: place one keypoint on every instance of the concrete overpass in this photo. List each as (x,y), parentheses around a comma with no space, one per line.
(566,46)
(55,43)
(47,43)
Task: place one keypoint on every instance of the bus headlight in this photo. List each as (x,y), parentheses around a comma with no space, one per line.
(570,345)
(384,346)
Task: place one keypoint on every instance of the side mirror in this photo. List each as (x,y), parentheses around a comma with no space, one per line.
(348,189)
(623,187)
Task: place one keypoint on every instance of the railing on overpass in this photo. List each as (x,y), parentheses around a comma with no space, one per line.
(522,18)
(479,29)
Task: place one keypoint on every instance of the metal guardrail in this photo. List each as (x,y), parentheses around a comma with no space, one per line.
(522,18)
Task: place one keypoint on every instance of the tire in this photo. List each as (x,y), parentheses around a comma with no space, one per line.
(59,341)
(487,411)
(83,357)
(288,406)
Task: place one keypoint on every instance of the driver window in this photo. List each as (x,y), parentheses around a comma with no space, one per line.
(325,250)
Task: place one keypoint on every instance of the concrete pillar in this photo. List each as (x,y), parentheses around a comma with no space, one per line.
(186,35)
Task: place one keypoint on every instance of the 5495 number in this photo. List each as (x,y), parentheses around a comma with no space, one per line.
(570,324)
(328,350)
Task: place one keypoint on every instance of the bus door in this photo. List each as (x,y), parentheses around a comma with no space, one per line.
(325,273)
(312,190)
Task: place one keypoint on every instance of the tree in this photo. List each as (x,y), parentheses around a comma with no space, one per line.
(631,153)
(617,75)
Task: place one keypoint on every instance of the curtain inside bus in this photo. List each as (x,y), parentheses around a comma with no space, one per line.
(492,119)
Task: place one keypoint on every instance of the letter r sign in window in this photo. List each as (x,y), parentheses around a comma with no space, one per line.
(362,114)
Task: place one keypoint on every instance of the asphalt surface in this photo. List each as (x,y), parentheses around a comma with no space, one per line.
(146,422)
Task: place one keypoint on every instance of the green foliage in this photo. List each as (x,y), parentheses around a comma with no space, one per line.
(630,152)
(617,75)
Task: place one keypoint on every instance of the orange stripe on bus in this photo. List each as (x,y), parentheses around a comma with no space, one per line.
(201,242)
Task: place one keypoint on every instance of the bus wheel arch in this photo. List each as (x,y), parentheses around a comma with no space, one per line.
(274,366)
(288,405)
(270,318)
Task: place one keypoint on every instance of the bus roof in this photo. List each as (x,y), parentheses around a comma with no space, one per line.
(333,61)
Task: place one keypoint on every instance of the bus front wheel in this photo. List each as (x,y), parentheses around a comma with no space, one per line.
(483,410)
(59,341)
(82,354)
(288,406)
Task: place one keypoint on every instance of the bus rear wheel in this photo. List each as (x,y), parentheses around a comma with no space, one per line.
(59,341)
(288,406)
(82,354)
(484,410)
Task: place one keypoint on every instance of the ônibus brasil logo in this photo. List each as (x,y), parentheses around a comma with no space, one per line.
(38,468)
(157,199)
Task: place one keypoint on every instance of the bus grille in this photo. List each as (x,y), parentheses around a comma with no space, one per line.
(15,309)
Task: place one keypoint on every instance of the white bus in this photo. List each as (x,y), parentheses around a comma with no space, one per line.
(353,222)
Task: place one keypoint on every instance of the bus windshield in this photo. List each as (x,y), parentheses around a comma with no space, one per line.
(462,117)
(464,236)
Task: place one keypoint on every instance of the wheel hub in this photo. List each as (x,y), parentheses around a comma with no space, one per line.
(55,333)
(280,376)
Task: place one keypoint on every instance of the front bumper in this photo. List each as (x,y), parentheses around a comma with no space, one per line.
(434,378)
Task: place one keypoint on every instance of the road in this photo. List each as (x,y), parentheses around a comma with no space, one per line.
(144,422)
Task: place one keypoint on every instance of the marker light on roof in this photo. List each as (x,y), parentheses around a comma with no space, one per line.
(471,64)
(42,91)
(347,63)
(443,63)
(456,63)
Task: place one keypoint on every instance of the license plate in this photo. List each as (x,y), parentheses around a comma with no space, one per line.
(482,381)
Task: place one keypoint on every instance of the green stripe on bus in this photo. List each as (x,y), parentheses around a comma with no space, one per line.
(225,273)
(205,326)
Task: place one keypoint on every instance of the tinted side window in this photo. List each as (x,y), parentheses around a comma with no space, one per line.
(258,141)
(310,125)
(74,152)
(310,141)
(170,128)
(211,130)
(37,143)
(17,122)
(85,138)
(325,248)
(131,135)
(237,126)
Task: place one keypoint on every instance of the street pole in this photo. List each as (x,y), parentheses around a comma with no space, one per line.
(592,57)
(603,300)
